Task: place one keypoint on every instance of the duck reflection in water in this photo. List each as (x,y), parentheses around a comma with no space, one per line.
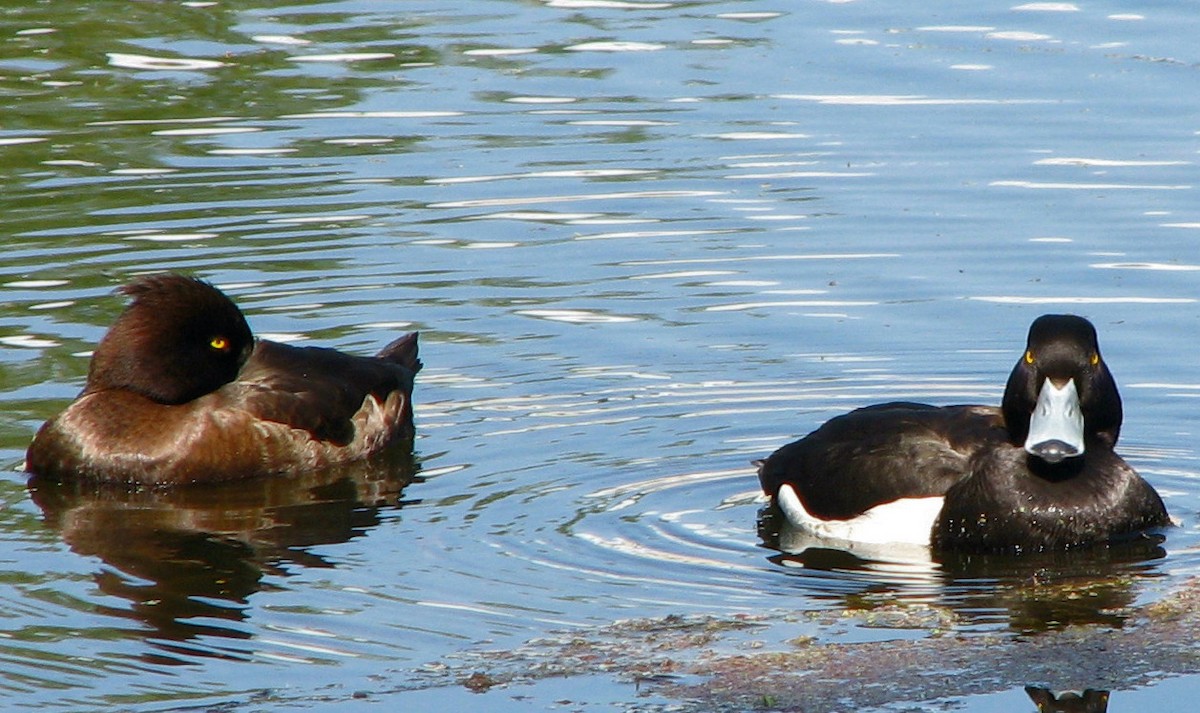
(1034,592)
(188,559)
(1089,701)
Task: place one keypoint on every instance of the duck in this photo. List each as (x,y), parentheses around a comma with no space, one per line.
(1038,473)
(179,391)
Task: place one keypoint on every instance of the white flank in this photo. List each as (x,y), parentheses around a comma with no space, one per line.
(908,521)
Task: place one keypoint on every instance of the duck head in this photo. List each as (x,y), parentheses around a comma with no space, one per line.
(178,339)
(1060,397)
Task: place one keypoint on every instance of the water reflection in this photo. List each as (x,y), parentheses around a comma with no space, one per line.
(1088,701)
(1030,593)
(188,560)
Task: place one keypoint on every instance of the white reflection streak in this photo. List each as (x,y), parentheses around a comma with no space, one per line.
(576,316)
(251,152)
(190,120)
(595,372)
(1105,162)
(758,258)
(1158,266)
(542,100)
(615,47)
(894,100)
(37,284)
(281,40)
(141,61)
(1047,7)
(140,172)
(650,234)
(306,647)
(284,658)
(1089,186)
(772,164)
(681,274)
(488,245)
(606,5)
(490,202)
(956,28)
(749,15)
(172,237)
(999,299)
(28,341)
(344,57)
(500,51)
(1019,36)
(756,135)
(742,306)
(207,131)
(374,115)
(535,216)
(464,607)
(324,218)
(582,173)
(801,174)
(622,123)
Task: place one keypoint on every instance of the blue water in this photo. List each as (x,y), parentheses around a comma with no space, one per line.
(644,242)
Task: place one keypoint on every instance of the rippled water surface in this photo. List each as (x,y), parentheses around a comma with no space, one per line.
(644,243)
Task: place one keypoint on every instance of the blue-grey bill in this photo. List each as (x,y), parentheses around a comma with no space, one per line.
(1056,428)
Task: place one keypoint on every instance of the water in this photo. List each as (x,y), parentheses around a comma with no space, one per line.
(645,243)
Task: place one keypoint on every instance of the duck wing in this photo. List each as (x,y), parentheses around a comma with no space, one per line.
(881,453)
(322,390)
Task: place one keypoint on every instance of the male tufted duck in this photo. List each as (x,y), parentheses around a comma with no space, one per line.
(179,391)
(1038,473)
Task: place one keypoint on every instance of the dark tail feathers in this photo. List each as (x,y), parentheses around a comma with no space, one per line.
(402,351)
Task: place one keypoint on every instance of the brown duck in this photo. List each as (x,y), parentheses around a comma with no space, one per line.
(179,391)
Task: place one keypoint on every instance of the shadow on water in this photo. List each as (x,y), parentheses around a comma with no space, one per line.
(1029,593)
(188,559)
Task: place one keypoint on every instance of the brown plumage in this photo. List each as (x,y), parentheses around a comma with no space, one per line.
(179,391)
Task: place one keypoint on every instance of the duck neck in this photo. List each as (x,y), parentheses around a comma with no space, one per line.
(1063,470)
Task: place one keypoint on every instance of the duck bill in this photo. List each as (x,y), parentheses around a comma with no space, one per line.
(1056,427)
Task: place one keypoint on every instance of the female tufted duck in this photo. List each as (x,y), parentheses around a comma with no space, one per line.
(179,391)
(1039,473)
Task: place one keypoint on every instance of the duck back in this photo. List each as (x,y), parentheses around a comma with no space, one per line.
(881,453)
(320,390)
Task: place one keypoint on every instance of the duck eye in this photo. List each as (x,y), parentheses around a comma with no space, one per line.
(219,343)
(1029,357)
(1095,359)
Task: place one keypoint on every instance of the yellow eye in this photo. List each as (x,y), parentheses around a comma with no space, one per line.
(1095,358)
(1029,357)
(219,343)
